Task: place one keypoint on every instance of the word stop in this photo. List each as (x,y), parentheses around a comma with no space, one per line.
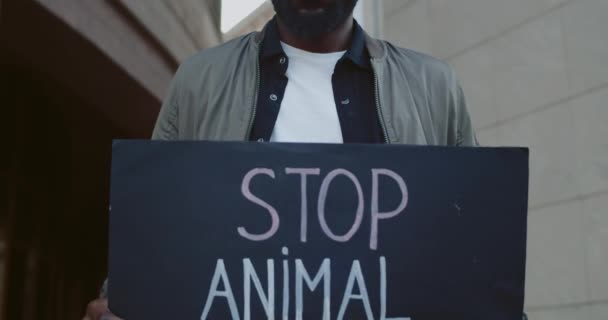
(304,173)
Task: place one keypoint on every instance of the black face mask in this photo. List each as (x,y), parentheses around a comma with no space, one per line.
(310,26)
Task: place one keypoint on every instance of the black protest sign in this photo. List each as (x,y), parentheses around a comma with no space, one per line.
(209,230)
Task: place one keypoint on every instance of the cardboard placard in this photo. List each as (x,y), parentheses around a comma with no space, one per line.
(212,230)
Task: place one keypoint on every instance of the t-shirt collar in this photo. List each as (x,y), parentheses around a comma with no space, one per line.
(357,52)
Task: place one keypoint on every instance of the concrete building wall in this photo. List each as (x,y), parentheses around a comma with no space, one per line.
(74,75)
(255,21)
(146,38)
(183,27)
(536,74)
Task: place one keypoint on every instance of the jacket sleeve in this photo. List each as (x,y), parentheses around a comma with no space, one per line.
(167,127)
(462,133)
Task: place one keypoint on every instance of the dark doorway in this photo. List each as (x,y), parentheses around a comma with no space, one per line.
(61,102)
(57,151)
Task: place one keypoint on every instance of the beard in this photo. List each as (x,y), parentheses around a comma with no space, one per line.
(310,25)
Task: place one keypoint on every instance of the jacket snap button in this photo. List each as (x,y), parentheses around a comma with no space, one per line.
(345,102)
(282,60)
(274,97)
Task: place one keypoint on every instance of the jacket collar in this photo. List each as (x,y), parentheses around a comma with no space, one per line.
(269,43)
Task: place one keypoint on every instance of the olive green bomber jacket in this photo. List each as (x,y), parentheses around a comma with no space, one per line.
(213,96)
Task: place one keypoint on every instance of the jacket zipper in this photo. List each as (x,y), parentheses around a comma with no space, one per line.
(255,101)
(379,110)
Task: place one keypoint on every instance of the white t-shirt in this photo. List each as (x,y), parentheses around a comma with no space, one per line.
(308,110)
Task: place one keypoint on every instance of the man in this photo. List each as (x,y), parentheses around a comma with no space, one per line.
(313,75)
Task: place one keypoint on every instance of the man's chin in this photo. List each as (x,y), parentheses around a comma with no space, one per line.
(312,21)
(311,12)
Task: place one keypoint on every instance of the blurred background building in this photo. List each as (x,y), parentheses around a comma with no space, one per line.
(76,74)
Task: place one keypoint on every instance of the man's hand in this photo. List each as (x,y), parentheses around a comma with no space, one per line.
(98,310)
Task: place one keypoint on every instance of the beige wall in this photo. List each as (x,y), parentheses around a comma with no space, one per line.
(255,21)
(183,27)
(536,74)
(146,38)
